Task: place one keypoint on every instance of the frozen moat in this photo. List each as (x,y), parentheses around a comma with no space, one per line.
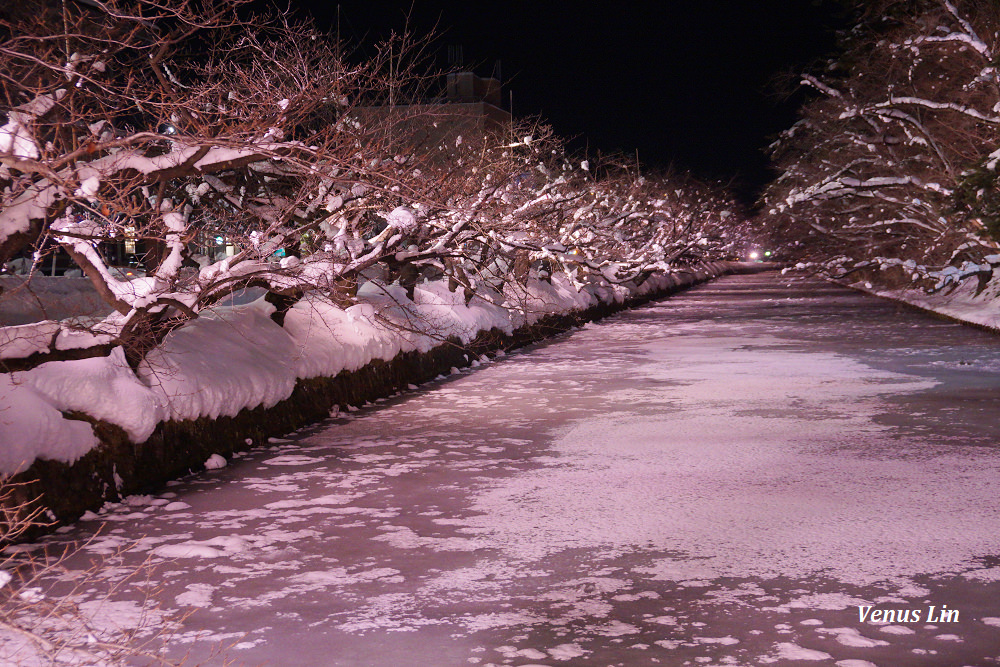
(733,476)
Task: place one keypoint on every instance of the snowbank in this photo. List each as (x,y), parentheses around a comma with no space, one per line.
(237,358)
(961,303)
(102,387)
(224,361)
(31,427)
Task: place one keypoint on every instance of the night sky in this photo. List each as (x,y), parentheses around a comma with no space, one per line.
(686,82)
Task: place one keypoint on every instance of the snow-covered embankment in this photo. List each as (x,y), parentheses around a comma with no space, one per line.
(970,295)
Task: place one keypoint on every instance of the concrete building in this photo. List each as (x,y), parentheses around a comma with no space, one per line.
(478,97)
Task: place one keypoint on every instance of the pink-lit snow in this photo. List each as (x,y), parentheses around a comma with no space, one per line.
(657,485)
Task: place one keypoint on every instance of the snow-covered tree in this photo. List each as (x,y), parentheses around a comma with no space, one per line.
(225,151)
(171,124)
(896,155)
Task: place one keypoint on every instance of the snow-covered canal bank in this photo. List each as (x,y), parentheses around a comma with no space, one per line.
(733,476)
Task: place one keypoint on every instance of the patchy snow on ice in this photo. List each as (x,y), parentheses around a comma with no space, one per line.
(188,551)
(215,462)
(292,460)
(814,512)
(197,595)
(789,651)
(341,577)
(680,490)
(851,637)
(566,652)
(89,628)
(826,601)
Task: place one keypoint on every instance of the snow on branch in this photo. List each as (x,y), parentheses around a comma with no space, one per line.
(183,154)
(938,105)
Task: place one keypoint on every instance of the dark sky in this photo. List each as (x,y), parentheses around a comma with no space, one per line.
(682,81)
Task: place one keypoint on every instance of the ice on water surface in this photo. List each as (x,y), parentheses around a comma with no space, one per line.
(666,484)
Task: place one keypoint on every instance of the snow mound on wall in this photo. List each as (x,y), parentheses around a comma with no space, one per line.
(24,340)
(542,298)
(447,313)
(226,360)
(236,357)
(32,427)
(330,339)
(102,387)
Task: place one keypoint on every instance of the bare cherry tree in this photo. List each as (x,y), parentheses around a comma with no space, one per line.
(173,128)
(223,151)
(891,158)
